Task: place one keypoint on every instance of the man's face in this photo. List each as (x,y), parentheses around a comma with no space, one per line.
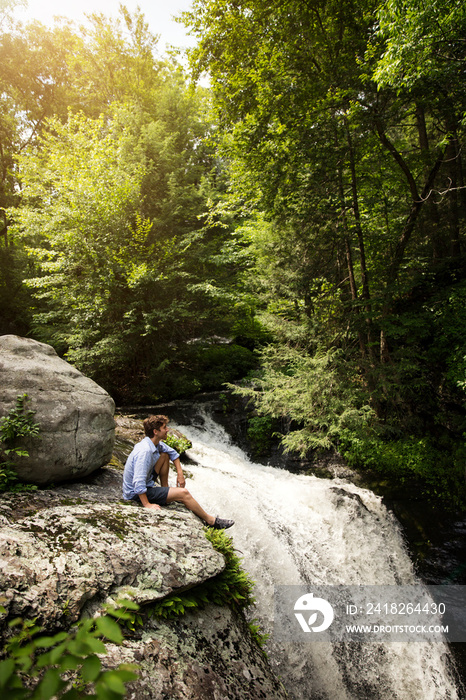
(162,432)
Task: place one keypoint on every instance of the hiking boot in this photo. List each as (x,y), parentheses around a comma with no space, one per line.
(221,524)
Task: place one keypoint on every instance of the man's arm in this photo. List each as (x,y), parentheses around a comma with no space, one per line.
(175,458)
(180,480)
(141,469)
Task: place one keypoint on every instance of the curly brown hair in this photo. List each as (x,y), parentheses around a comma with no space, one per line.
(154,423)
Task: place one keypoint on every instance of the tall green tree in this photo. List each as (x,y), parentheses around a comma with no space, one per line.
(354,178)
(125,268)
(45,72)
(107,160)
(285,77)
(346,171)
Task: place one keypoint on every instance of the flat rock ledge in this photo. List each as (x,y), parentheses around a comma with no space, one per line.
(68,560)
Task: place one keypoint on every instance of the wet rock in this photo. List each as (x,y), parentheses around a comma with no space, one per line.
(102,486)
(342,496)
(129,428)
(75,415)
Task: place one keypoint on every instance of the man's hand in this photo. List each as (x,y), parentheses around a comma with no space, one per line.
(146,503)
(180,480)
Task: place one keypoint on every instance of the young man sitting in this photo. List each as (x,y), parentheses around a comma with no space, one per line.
(151,457)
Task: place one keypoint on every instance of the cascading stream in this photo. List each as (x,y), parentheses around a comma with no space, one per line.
(293,529)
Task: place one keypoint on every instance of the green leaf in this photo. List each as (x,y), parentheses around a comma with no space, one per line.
(127,672)
(126,603)
(50,684)
(90,669)
(72,694)
(57,652)
(96,645)
(113,681)
(45,642)
(16,622)
(108,628)
(7,668)
(70,662)
(105,693)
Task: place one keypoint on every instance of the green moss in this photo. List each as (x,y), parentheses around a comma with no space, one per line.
(72,501)
(59,536)
(117,523)
(116,463)
(63,536)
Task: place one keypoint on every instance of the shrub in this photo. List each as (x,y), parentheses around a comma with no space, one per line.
(16,425)
(437,468)
(65,665)
(261,433)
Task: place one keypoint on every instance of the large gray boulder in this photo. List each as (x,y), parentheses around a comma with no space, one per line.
(75,414)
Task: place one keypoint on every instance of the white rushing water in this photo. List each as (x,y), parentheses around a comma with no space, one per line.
(294,529)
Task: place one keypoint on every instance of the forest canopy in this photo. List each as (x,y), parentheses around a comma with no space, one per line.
(299,225)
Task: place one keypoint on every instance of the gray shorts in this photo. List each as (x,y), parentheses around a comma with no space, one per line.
(155,494)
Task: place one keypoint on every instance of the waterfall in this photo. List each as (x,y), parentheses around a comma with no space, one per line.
(296,529)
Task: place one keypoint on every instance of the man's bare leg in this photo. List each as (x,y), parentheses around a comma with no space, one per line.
(178,495)
(162,468)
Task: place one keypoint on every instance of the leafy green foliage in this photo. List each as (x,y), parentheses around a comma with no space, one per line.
(15,298)
(343,124)
(259,637)
(223,363)
(65,665)
(424,44)
(118,283)
(179,442)
(125,267)
(435,467)
(311,392)
(14,426)
(260,433)
(126,613)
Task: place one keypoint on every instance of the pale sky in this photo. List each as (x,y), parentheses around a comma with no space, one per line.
(158,13)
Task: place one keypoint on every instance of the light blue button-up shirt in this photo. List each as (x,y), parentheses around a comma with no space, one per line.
(139,467)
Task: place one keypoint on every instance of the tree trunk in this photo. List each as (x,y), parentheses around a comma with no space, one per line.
(360,237)
(432,218)
(349,255)
(418,200)
(4,226)
(453,155)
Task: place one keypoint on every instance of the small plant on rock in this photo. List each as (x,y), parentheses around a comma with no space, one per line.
(14,426)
